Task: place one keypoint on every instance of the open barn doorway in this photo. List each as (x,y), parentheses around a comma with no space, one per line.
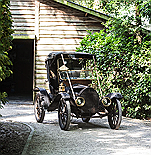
(20,84)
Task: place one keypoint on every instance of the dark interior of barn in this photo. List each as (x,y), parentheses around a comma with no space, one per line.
(20,83)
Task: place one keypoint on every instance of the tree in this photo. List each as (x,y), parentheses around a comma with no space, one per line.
(5,44)
(118,8)
(123,55)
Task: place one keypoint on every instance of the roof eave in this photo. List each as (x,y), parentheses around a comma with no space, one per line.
(84,9)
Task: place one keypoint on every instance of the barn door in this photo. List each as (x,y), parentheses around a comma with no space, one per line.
(21,82)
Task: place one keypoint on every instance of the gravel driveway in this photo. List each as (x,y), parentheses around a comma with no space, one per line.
(94,138)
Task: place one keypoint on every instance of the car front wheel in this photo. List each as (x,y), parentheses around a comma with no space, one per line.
(115,114)
(64,114)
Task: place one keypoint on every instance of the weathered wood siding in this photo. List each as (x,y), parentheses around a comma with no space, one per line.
(61,28)
(57,27)
(23,16)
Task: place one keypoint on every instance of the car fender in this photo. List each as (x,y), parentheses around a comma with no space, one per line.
(43,91)
(55,102)
(114,95)
(45,96)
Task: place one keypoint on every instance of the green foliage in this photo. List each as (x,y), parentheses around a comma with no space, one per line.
(123,65)
(123,53)
(87,3)
(121,8)
(3,95)
(4,66)
(5,44)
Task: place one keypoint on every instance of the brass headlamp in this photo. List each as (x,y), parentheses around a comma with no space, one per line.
(80,101)
(106,101)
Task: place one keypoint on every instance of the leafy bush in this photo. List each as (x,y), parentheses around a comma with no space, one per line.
(124,66)
(5,44)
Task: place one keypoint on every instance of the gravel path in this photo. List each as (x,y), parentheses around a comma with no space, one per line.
(13,137)
(94,138)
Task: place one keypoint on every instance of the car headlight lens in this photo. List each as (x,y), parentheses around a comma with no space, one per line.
(80,101)
(106,101)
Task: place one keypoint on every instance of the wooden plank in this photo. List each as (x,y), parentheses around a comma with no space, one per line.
(37,5)
(64,18)
(44,23)
(41,76)
(55,47)
(40,71)
(23,0)
(41,85)
(61,36)
(23,17)
(24,33)
(23,20)
(60,13)
(23,24)
(41,81)
(57,41)
(40,63)
(68,28)
(55,6)
(56,12)
(45,53)
(24,28)
(40,58)
(22,12)
(22,4)
(40,66)
(63,32)
(52,7)
(23,36)
(17,7)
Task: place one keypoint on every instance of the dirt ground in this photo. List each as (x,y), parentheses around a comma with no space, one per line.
(13,137)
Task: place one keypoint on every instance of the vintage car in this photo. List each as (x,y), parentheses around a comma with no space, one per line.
(72,82)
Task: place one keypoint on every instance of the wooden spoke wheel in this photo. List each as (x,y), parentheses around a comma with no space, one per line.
(64,114)
(38,109)
(115,114)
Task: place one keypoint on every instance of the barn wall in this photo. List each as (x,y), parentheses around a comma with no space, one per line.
(56,27)
(23,16)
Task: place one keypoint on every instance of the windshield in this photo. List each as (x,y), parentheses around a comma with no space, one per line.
(76,69)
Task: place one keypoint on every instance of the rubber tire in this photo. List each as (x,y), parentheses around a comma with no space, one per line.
(38,110)
(86,120)
(116,114)
(64,114)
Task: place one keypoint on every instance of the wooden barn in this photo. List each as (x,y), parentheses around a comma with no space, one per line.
(42,27)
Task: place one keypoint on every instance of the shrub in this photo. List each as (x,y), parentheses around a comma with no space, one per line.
(124,66)
(5,44)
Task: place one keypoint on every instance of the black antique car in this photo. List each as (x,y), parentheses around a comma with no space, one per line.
(72,91)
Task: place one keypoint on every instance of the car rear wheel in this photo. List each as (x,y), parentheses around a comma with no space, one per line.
(64,114)
(115,114)
(38,109)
